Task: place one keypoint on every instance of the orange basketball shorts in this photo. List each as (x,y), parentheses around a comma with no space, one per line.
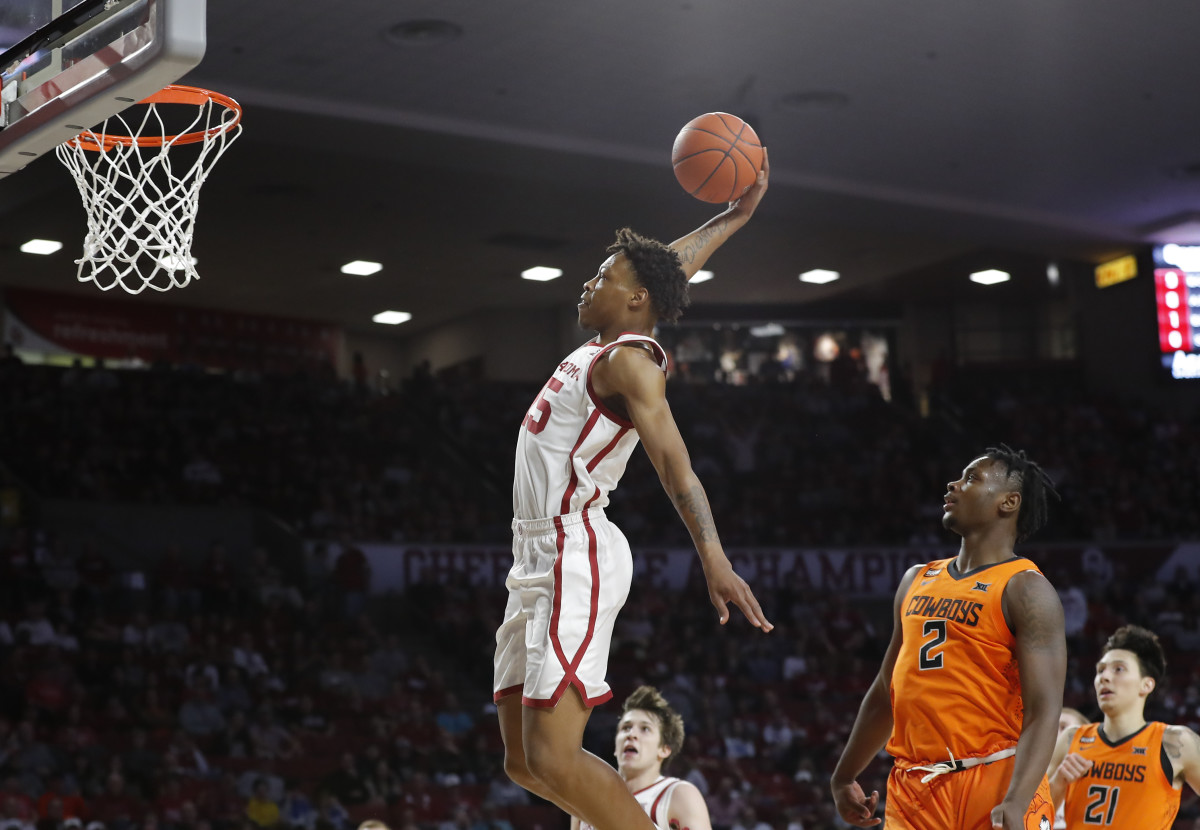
(958,800)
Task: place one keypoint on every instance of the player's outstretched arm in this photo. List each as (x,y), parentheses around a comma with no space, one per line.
(630,373)
(1032,608)
(1065,766)
(872,728)
(695,248)
(688,810)
(1183,748)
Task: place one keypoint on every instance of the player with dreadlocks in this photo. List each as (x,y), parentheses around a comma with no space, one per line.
(572,568)
(968,697)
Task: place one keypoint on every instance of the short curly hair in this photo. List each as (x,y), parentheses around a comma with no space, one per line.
(658,269)
(670,723)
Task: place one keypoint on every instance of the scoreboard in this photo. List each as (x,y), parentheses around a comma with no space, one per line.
(1177,298)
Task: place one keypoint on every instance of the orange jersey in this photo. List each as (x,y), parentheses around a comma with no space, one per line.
(1129,784)
(956,689)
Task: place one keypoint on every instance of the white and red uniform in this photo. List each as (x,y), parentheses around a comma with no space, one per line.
(571,567)
(655,800)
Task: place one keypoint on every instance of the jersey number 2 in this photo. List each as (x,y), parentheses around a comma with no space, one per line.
(542,407)
(936,631)
(1104,807)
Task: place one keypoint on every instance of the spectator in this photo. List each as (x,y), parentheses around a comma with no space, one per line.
(331,812)
(489,819)
(352,575)
(725,805)
(271,740)
(63,790)
(502,791)
(345,783)
(453,718)
(383,785)
(749,821)
(260,809)
(297,811)
(141,763)
(16,802)
(115,805)
(199,715)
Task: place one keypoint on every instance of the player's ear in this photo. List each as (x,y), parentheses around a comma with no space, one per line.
(1011,503)
(638,296)
(1148,685)
(664,752)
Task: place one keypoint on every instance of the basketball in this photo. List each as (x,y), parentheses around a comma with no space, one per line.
(716,157)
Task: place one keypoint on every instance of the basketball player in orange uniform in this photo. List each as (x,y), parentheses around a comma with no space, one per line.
(1125,772)
(968,697)
(649,736)
(572,567)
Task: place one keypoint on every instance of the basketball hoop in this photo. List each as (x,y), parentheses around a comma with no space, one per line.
(142,208)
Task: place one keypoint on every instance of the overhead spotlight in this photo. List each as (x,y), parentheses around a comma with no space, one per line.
(701,276)
(392,318)
(990,277)
(541,273)
(41,246)
(1052,274)
(362,268)
(819,276)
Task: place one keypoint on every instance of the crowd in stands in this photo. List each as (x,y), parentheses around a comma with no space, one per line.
(233,702)
(795,463)
(224,695)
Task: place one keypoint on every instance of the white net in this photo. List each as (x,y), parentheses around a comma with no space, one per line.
(141,190)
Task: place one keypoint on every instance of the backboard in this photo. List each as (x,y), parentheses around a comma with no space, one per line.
(66,65)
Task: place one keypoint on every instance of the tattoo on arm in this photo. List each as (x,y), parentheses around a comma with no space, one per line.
(701,240)
(694,504)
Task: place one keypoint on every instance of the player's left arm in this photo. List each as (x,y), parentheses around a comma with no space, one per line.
(695,248)
(688,810)
(1033,610)
(1183,748)
(630,373)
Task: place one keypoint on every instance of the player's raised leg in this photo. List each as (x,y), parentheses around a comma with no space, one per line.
(554,755)
(510,711)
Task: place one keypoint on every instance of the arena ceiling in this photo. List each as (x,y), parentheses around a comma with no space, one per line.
(461,142)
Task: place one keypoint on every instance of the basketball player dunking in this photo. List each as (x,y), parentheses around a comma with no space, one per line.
(572,568)
(968,698)
(649,736)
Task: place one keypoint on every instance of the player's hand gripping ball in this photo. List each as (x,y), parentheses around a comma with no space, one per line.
(717,157)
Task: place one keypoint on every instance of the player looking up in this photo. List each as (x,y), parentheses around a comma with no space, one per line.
(969,694)
(1125,772)
(649,736)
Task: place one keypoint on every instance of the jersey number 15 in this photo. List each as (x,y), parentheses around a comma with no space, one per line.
(542,407)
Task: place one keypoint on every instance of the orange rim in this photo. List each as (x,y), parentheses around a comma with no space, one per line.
(173,94)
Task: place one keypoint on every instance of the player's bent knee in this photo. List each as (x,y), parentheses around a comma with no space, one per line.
(517,771)
(551,768)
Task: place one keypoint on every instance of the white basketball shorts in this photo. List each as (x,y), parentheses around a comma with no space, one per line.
(570,577)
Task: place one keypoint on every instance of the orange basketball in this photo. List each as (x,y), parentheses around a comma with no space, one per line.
(716,156)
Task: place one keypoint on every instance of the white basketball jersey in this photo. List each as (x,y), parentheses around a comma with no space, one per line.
(655,800)
(571,449)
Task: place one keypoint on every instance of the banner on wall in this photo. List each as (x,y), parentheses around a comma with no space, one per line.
(861,571)
(46,323)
